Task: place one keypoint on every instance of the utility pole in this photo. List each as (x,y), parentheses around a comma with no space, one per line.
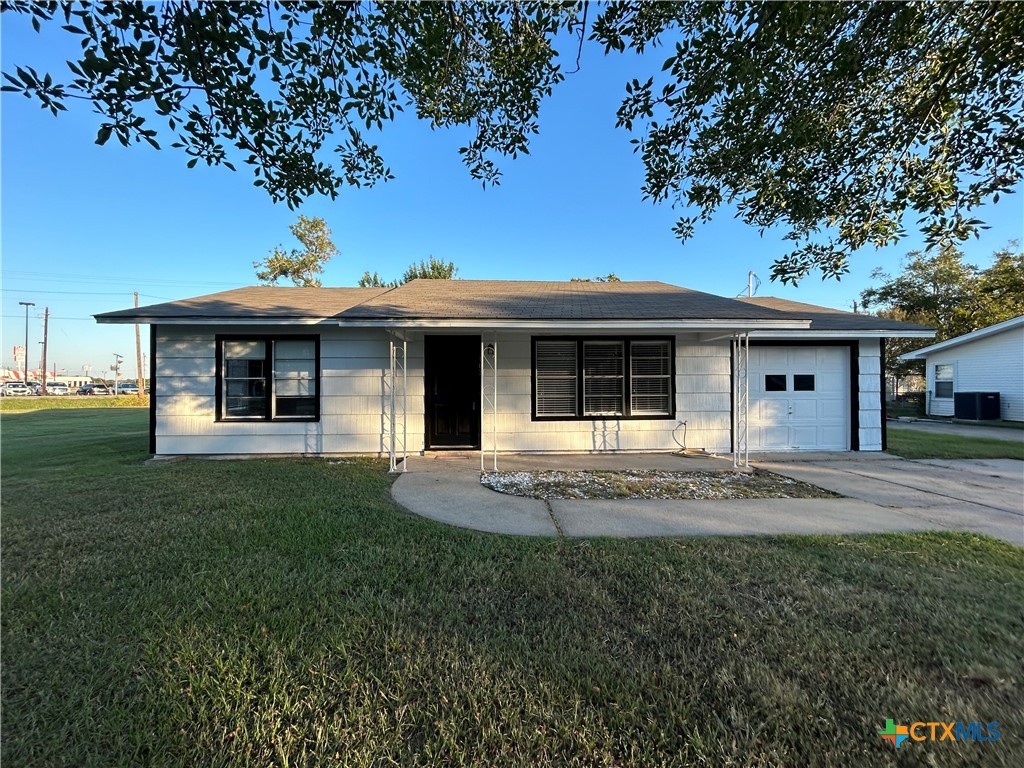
(138,354)
(46,325)
(26,304)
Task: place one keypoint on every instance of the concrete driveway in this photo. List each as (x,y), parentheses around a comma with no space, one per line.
(883,494)
(983,495)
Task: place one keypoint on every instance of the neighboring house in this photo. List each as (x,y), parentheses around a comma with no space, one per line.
(987,360)
(509,366)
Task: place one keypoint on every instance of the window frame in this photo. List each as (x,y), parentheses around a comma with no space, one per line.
(269,378)
(627,360)
(936,381)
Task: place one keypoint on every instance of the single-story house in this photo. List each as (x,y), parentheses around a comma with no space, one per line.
(987,360)
(510,366)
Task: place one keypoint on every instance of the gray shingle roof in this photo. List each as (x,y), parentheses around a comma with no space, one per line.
(512,300)
(536,300)
(253,303)
(828,319)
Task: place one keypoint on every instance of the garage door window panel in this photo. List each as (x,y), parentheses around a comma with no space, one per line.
(803,382)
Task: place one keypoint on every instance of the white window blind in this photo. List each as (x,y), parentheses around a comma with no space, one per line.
(650,378)
(556,378)
(603,378)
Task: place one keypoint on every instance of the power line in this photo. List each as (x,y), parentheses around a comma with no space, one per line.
(77,293)
(84,293)
(18,317)
(113,279)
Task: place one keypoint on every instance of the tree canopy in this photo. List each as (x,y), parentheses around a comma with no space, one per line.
(302,267)
(833,121)
(954,297)
(431,269)
(942,291)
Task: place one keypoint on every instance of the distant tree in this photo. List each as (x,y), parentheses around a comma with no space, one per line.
(304,266)
(611,277)
(375,281)
(832,121)
(432,269)
(1000,288)
(941,291)
(937,289)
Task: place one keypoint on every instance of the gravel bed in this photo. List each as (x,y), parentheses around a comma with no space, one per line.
(651,484)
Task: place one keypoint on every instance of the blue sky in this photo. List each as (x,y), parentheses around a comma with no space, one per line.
(84,226)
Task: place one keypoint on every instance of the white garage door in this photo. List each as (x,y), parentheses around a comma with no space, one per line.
(799,399)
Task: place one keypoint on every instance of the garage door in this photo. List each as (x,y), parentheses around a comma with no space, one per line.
(799,399)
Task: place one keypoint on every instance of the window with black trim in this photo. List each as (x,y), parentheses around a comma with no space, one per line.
(268,378)
(944,381)
(581,378)
(775,382)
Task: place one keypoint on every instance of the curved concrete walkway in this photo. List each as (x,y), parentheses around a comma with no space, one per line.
(884,494)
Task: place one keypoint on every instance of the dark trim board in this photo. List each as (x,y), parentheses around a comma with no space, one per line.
(854,345)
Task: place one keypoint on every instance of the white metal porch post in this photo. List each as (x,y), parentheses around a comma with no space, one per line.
(741,399)
(489,397)
(397,402)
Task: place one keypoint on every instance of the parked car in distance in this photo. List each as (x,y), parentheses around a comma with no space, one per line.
(94,389)
(127,389)
(57,388)
(15,388)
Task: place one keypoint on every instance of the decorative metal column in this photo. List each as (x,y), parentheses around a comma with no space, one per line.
(489,398)
(741,399)
(397,403)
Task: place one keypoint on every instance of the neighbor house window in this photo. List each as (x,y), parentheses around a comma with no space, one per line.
(268,378)
(944,381)
(583,378)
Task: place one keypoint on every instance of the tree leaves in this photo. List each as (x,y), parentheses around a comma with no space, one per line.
(329,75)
(830,121)
(302,267)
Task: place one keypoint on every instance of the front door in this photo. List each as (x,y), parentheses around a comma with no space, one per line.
(452,373)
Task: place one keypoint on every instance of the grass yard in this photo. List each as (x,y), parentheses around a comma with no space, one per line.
(918,444)
(286,612)
(51,402)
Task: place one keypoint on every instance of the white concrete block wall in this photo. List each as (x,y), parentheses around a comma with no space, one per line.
(869,366)
(353,365)
(992,364)
(702,400)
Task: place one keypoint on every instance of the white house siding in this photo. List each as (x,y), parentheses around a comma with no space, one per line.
(353,400)
(991,364)
(702,401)
(353,366)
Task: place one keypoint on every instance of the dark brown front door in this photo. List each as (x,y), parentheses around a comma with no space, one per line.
(452,373)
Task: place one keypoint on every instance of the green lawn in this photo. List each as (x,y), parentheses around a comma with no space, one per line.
(286,612)
(918,444)
(50,402)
